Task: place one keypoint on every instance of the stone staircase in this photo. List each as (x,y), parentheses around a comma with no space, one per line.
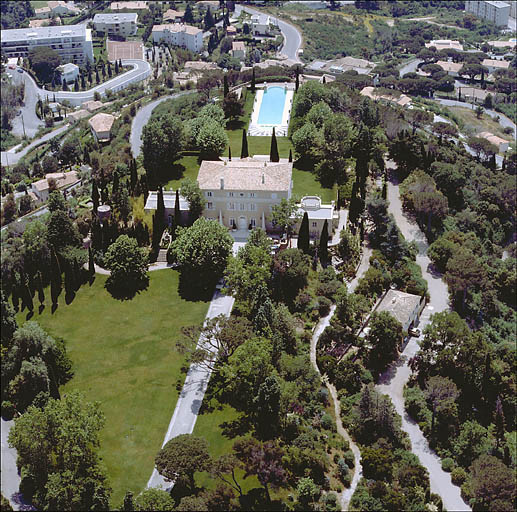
(162,256)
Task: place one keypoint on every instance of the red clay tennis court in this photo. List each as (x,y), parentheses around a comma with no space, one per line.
(124,50)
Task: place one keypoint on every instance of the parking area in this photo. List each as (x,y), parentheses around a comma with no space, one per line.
(125,50)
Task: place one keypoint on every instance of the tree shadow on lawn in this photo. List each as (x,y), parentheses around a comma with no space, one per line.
(127,289)
(236,124)
(174,172)
(256,499)
(193,288)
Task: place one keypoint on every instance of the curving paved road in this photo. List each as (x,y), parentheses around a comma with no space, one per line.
(28,110)
(503,120)
(11,158)
(409,67)
(141,70)
(141,118)
(292,36)
(392,382)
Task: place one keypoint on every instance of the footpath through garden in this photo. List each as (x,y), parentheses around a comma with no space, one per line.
(347,494)
(191,397)
(392,382)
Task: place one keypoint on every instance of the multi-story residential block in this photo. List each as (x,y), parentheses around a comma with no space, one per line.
(120,24)
(177,34)
(69,72)
(73,43)
(133,6)
(241,193)
(494,11)
(260,24)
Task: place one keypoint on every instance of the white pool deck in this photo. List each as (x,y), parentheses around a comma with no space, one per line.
(256,129)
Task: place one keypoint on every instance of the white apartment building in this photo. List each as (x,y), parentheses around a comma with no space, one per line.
(178,34)
(241,193)
(491,10)
(120,24)
(260,24)
(73,43)
(69,72)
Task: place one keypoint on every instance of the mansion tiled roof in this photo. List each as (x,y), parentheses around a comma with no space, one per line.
(245,174)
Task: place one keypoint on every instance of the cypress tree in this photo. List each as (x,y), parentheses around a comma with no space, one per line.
(56,282)
(134,176)
(229,154)
(324,80)
(143,186)
(91,265)
(76,84)
(384,189)
(65,86)
(15,293)
(493,163)
(95,196)
(120,65)
(97,77)
(503,168)
(244,147)
(303,234)
(226,89)
(160,205)
(297,81)
(253,85)
(353,212)
(78,275)
(39,288)
(177,211)
(324,239)
(69,281)
(290,155)
(116,67)
(273,152)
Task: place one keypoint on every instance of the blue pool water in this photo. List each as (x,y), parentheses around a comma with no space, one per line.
(272,106)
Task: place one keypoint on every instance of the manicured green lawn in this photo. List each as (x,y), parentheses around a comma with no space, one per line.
(38,4)
(208,426)
(305,182)
(124,357)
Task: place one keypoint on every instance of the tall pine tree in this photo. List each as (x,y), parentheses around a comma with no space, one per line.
(253,85)
(95,196)
(324,240)
(244,146)
(56,282)
(229,154)
(91,266)
(290,155)
(177,211)
(273,152)
(303,234)
(226,89)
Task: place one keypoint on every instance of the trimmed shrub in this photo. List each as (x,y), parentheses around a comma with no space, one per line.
(448,464)
(326,421)
(348,457)
(324,306)
(8,410)
(458,476)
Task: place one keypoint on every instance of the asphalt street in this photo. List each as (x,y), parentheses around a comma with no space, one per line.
(27,114)
(392,382)
(141,70)
(292,36)
(12,158)
(141,119)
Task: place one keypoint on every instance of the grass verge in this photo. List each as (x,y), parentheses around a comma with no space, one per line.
(124,357)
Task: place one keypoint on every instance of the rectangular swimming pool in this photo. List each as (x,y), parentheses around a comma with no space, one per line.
(272,106)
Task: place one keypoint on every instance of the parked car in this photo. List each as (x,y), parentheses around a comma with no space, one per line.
(20,70)
(414,332)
